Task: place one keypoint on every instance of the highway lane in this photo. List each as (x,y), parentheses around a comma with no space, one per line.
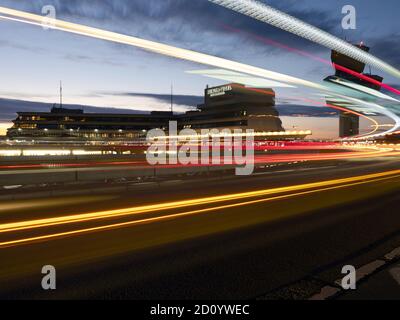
(105,248)
(148,193)
(156,212)
(94,165)
(100,171)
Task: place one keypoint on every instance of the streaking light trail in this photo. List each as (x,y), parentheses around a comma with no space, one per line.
(367,152)
(241,78)
(366,78)
(243,198)
(184,54)
(284,21)
(319,59)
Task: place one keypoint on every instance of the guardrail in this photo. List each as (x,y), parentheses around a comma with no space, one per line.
(74,175)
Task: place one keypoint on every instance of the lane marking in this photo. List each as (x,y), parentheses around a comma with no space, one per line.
(325,293)
(395,254)
(363,272)
(395,273)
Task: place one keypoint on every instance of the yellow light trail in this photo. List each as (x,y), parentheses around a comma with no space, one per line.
(184,54)
(55,221)
(194,212)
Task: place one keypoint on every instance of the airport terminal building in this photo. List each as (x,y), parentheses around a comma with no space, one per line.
(231,106)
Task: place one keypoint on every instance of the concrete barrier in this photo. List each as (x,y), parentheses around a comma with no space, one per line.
(27,178)
(113,173)
(180,170)
(70,175)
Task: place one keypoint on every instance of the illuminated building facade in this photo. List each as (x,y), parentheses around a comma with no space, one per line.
(234,106)
(61,123)
(230,106)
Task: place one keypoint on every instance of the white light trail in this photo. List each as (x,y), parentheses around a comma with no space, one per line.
(378,108)
(284,21)
(245,79)
(363,89)
(184,54)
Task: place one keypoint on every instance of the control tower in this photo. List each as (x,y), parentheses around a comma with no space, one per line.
(349,69)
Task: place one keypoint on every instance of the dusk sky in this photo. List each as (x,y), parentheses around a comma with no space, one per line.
(100,73)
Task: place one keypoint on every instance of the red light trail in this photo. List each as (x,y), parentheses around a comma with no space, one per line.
(316,58)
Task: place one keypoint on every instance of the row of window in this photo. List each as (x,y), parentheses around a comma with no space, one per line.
(65,134)
(198,116)
(90,119)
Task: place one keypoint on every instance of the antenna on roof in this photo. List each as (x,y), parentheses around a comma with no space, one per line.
(61,92)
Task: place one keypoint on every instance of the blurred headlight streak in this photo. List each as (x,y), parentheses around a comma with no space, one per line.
(284,21)
(223,202)
(236,77)
(366,106)
(363,89)
(32,224)
(189,55)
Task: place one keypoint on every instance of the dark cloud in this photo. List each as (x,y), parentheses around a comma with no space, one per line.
(10,107)
(306,111)
(184,100)
(91,59)
(18,46)
(387,48)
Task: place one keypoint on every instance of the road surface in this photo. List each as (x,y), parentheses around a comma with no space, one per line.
(231,238)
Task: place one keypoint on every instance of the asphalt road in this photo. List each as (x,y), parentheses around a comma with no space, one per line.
(259,249)
(32,172)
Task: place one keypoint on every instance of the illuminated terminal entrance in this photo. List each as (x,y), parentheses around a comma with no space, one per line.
(234,106)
